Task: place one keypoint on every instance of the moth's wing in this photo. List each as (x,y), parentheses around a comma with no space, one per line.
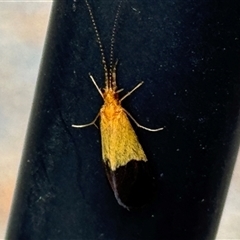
(126,164)
(119,142)
(133,184)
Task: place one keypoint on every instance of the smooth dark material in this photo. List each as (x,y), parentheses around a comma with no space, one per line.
(133,184)
(188,54)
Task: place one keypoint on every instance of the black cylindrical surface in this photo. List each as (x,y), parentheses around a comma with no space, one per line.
(188,55)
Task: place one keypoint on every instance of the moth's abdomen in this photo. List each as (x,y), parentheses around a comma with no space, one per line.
(133,184)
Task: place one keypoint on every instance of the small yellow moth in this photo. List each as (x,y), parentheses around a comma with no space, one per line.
(125,162)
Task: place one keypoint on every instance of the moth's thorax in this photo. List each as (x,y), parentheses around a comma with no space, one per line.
(111,107)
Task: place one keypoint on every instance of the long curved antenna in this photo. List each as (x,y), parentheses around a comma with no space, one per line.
(106,73)
(112,82)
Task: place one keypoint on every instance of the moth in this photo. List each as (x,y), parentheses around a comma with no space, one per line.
(125,162)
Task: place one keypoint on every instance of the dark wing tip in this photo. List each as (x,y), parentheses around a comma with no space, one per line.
(133,184)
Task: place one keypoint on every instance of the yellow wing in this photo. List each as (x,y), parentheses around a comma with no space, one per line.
(119,141)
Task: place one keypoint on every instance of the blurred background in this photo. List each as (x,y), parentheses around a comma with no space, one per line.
(23,27)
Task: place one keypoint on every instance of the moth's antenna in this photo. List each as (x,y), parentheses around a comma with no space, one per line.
(106,73)
(111,66)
